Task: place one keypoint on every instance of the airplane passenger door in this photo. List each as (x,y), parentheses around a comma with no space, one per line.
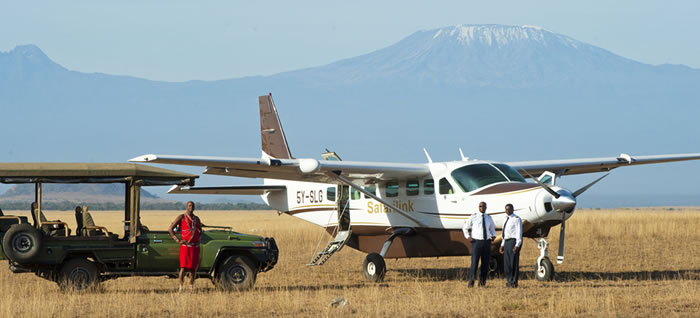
(343,208)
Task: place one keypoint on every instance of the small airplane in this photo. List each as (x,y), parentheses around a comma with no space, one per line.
(396,210)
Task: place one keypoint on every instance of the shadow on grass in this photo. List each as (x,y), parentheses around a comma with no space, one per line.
(206,290)
(683,274)
(443,274)
(320,287)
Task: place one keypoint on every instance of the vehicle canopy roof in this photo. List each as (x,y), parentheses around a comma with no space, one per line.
(50,172)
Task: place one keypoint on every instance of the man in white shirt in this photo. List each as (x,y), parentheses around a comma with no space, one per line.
(512,235)
(480,231)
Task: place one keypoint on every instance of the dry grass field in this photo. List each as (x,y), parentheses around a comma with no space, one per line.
(619,263)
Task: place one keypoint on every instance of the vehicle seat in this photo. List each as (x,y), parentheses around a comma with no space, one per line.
(78,220)
(53,228)
(89,227)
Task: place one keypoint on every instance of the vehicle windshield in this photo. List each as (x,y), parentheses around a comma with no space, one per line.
(473,177)
(511,173)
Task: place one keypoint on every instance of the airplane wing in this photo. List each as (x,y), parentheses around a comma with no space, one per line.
(310,170)
(242,190)
(591,165)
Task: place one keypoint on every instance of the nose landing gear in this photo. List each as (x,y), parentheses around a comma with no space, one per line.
(544,269)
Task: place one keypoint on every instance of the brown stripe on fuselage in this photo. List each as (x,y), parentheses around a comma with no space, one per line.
(506,187)
(310,210)
(424,243)
(329,208)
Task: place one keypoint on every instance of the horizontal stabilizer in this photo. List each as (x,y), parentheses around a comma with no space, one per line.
(242,190)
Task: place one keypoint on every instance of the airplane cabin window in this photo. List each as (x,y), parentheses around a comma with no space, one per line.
(392,189)
(354,194)
(412,187)
(371,189)
(330,193)
(445,187)
(428,186)
(510,172)
(475,176)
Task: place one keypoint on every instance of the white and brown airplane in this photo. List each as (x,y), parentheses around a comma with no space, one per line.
(395,210)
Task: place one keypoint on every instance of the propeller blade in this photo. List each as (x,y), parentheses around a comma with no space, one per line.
(546,187)
(562,236)
(584,188)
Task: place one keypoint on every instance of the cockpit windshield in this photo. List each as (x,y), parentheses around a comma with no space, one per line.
(475,176)
(511,173)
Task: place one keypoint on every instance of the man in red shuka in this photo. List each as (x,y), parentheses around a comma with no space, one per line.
(191,230)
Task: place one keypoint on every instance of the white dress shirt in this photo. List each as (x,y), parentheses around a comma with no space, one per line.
(513,229)
(477,231)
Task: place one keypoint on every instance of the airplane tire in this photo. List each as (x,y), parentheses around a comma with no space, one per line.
(22,243)
(496,266)
(546,273)
(374,267)
(78,274)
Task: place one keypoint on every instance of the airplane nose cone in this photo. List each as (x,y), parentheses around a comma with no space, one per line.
(565,203)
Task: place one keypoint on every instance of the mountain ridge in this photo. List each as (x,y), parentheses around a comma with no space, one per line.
(515,102)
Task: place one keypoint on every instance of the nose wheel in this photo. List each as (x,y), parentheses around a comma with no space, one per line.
(544,269)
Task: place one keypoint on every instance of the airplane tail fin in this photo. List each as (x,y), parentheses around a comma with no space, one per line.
(274,143)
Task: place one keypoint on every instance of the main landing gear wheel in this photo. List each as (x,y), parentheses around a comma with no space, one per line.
(545,270)
(495,265)
(374,267)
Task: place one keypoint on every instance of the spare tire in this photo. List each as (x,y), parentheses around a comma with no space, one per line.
(22,243)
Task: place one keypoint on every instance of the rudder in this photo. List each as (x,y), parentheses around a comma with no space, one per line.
(274,142)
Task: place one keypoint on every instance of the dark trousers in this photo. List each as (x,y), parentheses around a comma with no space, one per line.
(481,249)
(511,262)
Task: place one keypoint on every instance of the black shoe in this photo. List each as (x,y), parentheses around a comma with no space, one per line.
(482,284)
(471,284)
(509,285)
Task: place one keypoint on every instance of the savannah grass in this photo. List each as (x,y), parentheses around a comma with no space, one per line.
(619,263)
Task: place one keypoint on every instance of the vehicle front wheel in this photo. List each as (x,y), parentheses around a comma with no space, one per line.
(236,273)
(544,272)
(374,267)
(78,274)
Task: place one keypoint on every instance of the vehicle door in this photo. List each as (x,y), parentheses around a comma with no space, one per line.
(156,251)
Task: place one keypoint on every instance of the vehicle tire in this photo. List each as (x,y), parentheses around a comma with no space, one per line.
(546,271)
(236,273)
(78,274)
(22,243)
(374,267)
(496,265)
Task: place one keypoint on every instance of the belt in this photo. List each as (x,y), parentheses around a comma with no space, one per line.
(508,239)
(191,244)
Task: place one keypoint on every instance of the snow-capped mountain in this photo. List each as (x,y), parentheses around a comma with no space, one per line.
(485,56)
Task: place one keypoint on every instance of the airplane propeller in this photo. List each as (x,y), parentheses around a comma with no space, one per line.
(564,202)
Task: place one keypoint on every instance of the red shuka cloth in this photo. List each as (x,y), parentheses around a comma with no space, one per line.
(189,253)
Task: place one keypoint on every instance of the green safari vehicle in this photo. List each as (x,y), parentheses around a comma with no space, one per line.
(81,258)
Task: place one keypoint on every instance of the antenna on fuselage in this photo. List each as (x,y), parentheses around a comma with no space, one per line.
(462,155)
(430,160)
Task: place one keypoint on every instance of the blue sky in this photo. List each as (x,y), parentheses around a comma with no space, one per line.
(185,40)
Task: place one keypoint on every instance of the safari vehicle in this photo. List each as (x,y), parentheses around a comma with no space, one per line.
(81,258)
